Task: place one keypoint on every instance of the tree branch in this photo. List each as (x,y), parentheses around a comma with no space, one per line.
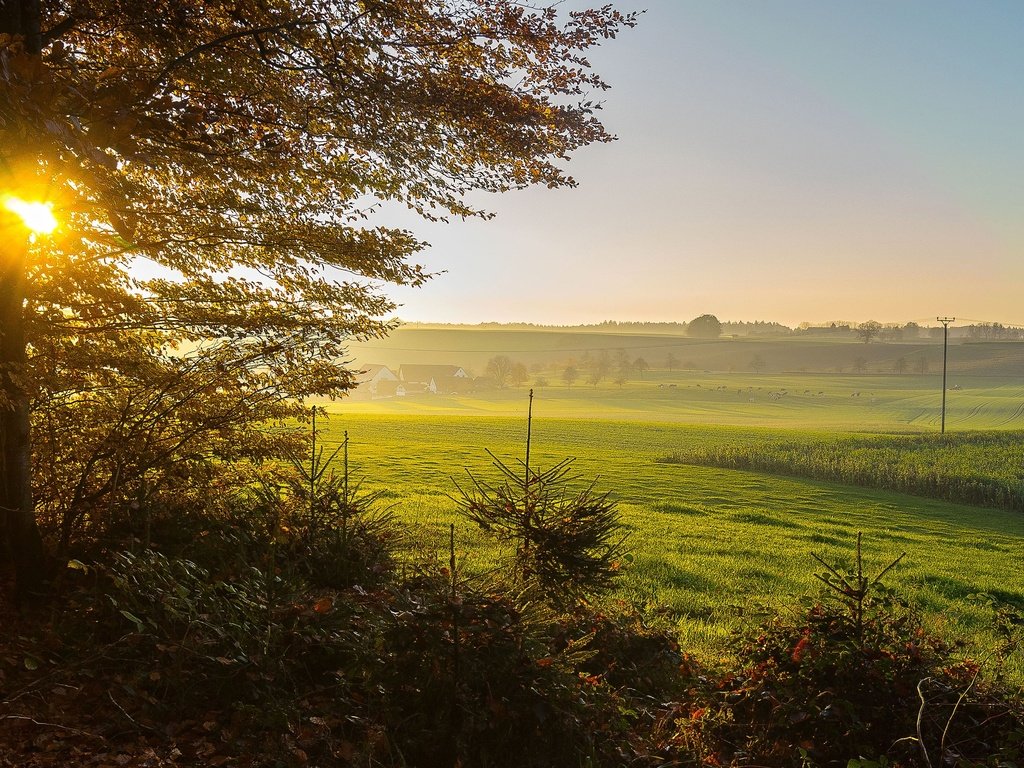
(58,29)
(216,42)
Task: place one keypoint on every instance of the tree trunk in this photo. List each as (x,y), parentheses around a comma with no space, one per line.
(21,17)
(20,531)
(19,535)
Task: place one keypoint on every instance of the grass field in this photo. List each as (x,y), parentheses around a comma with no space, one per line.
(714,543)
(709,543)
(823,402)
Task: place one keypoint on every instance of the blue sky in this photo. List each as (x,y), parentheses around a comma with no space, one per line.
(777,160)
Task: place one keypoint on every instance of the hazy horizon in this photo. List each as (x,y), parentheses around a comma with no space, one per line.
(923,322)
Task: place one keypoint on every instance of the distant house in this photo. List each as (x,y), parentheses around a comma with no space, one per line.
(410,388)
(436,379)
(453,385)
(375,381)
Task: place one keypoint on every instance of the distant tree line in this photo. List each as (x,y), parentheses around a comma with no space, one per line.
(618,366)
(993,332)
(709,326)
(755,328)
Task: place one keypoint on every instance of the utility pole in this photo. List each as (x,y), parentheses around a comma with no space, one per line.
(945,341)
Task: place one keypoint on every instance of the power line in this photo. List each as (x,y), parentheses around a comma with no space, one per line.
(974,320)
(992,322)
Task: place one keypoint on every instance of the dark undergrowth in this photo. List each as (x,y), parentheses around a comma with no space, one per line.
(152,659)
(290,629)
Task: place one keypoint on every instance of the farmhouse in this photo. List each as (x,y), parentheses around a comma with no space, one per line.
(436,379)
(375,381)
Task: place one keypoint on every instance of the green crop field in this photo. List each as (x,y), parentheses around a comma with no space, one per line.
(709,543)
(714,543)
(826,402)
(984,468)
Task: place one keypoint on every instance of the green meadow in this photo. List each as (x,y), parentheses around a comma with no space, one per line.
(713,544)
(824,402)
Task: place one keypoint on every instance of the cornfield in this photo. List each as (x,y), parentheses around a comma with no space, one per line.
(979,468)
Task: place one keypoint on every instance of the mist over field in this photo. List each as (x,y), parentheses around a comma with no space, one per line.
(827,377)
(819,349)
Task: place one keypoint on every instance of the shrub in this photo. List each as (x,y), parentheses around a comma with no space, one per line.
(568,545)
(241,635)
(855,675)
(337,534)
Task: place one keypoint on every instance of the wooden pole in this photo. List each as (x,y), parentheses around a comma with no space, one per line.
(945,345)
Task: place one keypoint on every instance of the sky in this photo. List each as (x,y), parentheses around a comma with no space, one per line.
(785,160)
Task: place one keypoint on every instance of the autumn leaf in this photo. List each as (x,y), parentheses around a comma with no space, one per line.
(323,605)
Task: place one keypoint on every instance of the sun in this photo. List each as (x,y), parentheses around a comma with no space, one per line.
(38,217)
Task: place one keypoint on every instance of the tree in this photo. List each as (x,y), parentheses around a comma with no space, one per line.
(860,364)
(671,362)
(900,365)
(891,333)
(519,375)
(570,375)
(921,365)
(622,362)
(241,148)
(567,542)
(868,331)
(757,364)
(641,365)
(704,327)
(499,368)
(599,368)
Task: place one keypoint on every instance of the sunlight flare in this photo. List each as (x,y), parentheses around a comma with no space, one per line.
(37,217)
